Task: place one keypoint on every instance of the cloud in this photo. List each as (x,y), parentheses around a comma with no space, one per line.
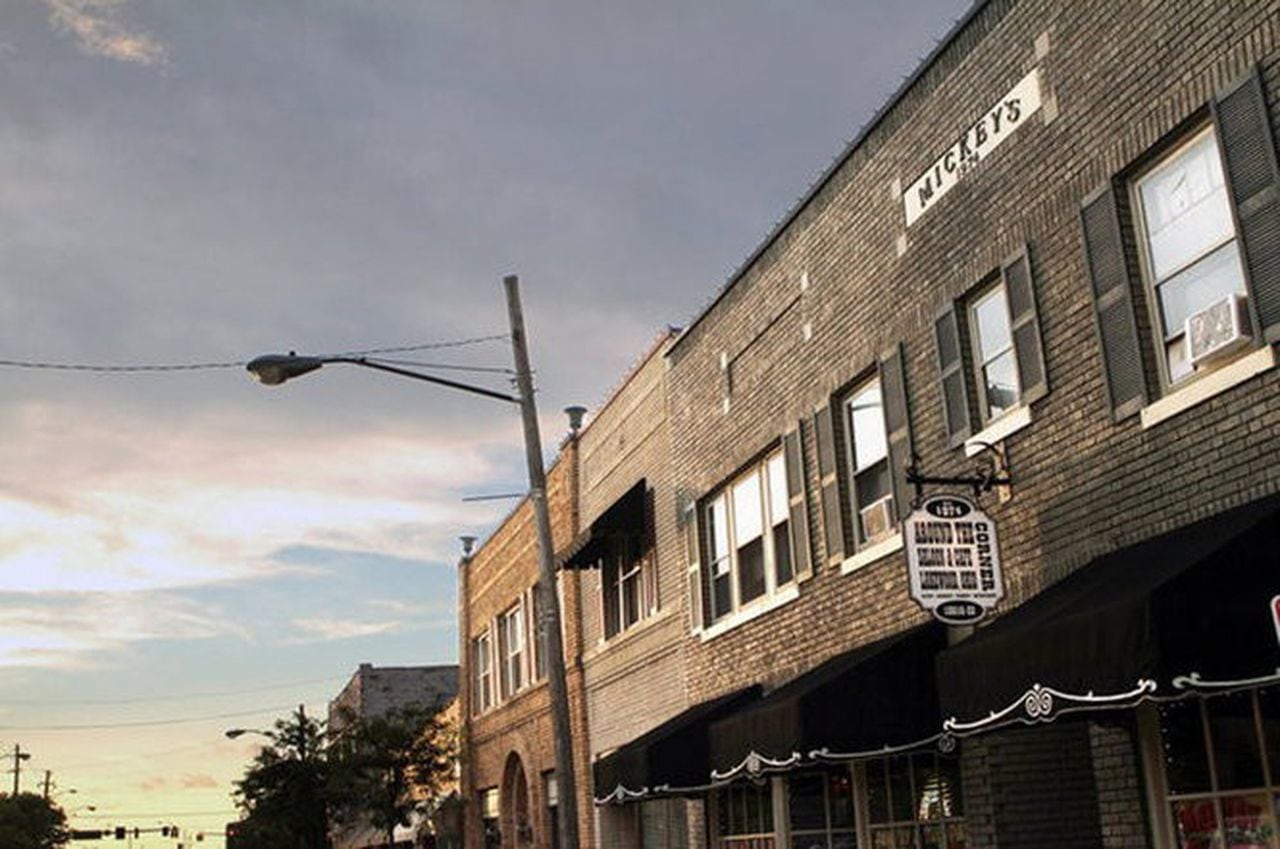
(117,502)
(320,629)
(67,630)
(198,781)
(99,30)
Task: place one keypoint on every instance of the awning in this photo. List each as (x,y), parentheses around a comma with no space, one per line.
(669,760)
(626,516)
(1184,612)
(870,701)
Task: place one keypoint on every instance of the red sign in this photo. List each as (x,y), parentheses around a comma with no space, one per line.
(1275,614)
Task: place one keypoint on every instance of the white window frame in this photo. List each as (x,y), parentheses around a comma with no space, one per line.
(1151,283)
(634,564)
(861,542)
(512,657)
(979,295)
(722,499)
(482,672)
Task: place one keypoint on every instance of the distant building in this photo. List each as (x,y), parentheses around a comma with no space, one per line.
(375,691)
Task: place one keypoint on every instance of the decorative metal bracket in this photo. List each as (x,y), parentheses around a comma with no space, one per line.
(983,479)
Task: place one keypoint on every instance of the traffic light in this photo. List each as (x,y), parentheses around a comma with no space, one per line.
(164,831)
(174,832)
(119,832)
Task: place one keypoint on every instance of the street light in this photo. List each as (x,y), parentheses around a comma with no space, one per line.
(233,733)
(275,369)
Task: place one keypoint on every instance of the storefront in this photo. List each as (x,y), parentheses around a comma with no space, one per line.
(1174,638)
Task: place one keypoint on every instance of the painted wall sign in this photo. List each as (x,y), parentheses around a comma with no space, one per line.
(953,559)
(983,136)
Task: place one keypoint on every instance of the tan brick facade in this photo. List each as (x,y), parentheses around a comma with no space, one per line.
(820,307)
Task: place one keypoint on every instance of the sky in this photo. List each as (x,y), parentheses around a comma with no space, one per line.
(190,183)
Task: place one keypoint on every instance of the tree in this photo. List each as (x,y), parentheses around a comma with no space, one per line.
(284,792)
(387,768)
(29,821)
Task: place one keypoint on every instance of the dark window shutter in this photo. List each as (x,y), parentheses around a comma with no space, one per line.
(955,392)
(1027,347)
(797,497)
(693,563)
(1249,154)
(1113,304)
(897,425)
(833,522)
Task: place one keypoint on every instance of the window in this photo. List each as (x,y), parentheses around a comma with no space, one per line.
(489,813)
(663,824)
(820,809)
(749,537)
(551,791)
(914,802)
(482,682)
(1220,757)
(624,583)
(745,817)
(1190,255)
(536,647)
(871,487)
(990,340)
(511,650)
(995,366)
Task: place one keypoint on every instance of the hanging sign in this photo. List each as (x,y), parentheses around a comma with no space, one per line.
(1275,615)
(953,559)
(998,122)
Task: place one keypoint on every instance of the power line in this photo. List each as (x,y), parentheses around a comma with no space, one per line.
(174,697)
(97,368)
(146,723)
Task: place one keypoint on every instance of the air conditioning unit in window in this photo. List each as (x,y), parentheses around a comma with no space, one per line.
(877,518)
(1218,329)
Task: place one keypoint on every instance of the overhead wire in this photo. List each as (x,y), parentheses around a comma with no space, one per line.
(146,723)
(98,368)
(175,696)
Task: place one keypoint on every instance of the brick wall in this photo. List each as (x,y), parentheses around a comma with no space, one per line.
(519,730)
(844,278)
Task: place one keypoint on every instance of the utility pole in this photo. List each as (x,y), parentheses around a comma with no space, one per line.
(18,757)
(548,600)
(48,781)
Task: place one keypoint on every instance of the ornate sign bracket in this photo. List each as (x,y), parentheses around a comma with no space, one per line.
(983,479)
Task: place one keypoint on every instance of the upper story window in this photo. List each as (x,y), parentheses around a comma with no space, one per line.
(749,537)
(625,583)
(994,363)
(1205,216)
(871,488)
(482,674)
(511,652)
(990,341)
(1190,256)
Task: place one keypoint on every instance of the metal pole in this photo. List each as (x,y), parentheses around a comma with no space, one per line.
(548,600)
(17,766)
(48,780)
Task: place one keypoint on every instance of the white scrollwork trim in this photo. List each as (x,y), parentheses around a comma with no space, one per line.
(1044,704)
(755,764)
(620,795)
(945,743)
(1195,683)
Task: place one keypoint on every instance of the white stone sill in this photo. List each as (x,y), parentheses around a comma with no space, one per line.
(872,553)
(1002,428)
(1214,383)
(754,610)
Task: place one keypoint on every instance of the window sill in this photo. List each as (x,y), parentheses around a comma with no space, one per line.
(1002,428)
(604,644)
(872,553)
(786,595)
(1214,383)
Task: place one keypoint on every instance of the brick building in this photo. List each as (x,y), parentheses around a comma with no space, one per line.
(507,749)
(1052,258)
(1054,255)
